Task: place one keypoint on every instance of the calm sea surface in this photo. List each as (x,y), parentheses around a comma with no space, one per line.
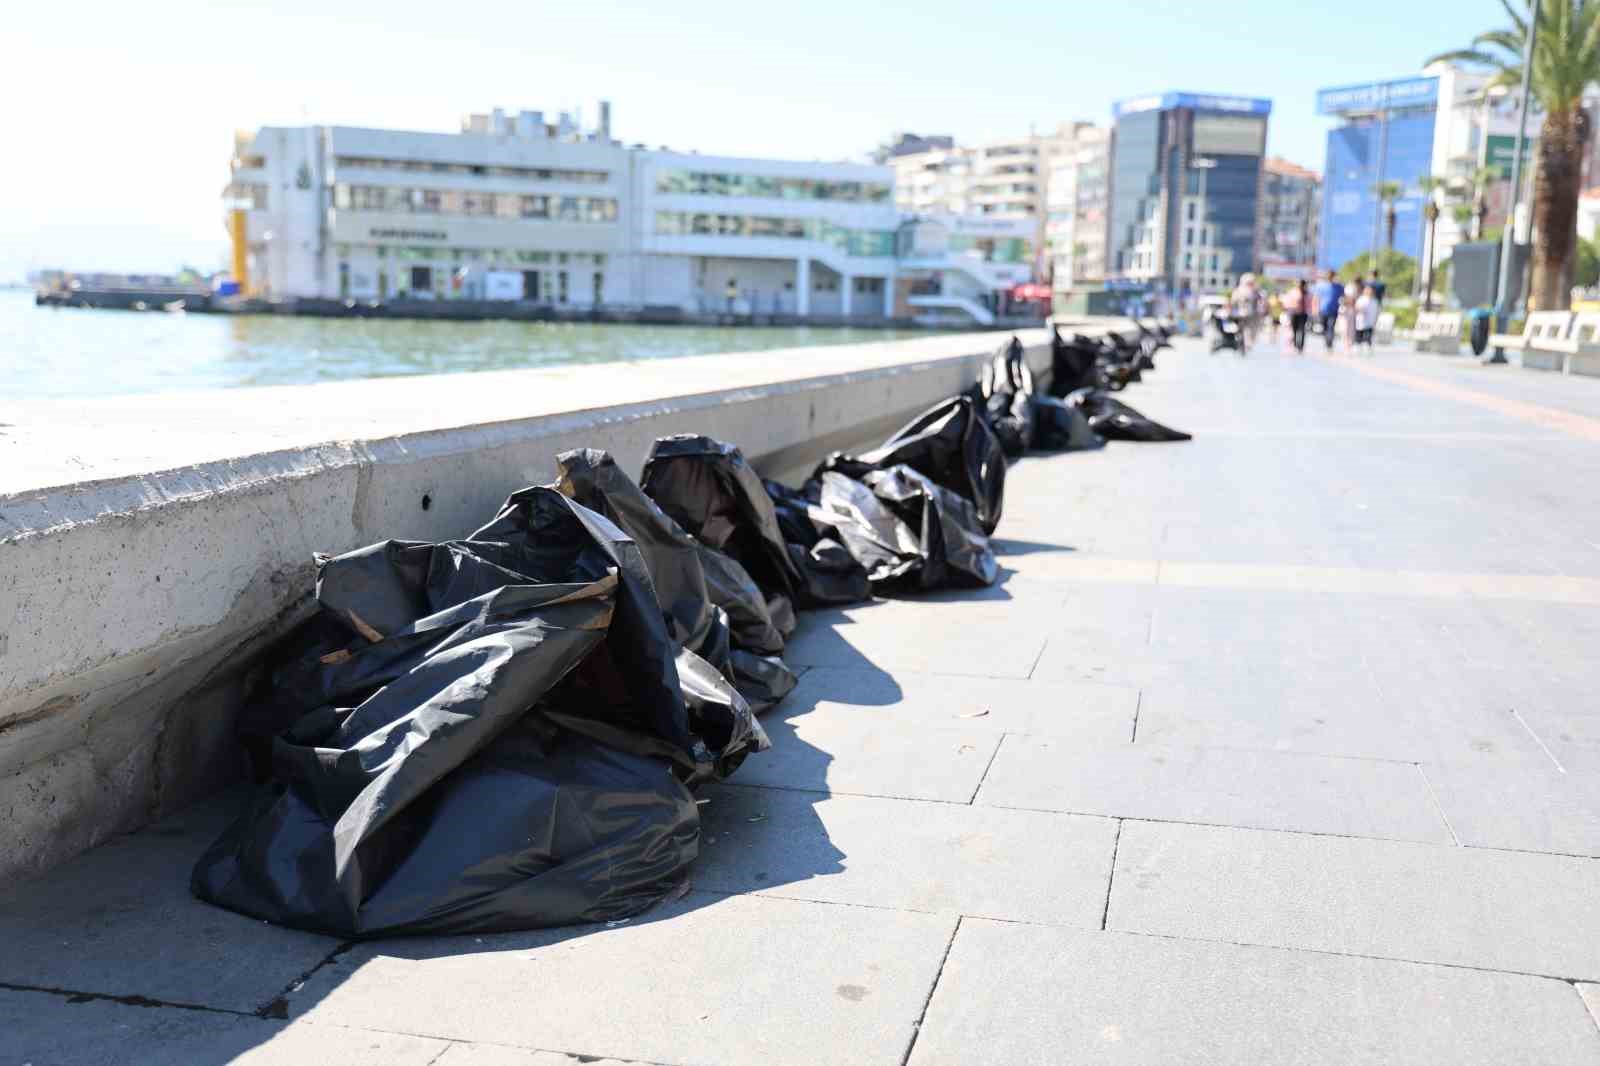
(66,352)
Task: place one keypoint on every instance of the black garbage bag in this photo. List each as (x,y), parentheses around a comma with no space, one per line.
(709,489)
(1115,420)
(904,528)
(1060,427)
(477,735)
(710,603)
(952,446)
(1005,392)
(1073,363)
(706,486)
(830,572)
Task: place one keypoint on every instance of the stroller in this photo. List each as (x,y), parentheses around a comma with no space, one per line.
(1227,332)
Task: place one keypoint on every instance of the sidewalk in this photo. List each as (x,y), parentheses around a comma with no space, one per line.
(1280,746)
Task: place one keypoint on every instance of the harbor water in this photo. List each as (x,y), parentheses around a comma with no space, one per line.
(61,353)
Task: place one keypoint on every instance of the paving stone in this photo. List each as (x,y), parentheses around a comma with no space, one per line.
(1000,641)
(1083,710)
(497,1055)
(709,980)
(45,1029)
(1530,807)
(1516,911)
(1020,994)
(948,858)
(1269,790)
(120,920)
(874,755)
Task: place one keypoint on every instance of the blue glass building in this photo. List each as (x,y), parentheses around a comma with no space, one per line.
(1386,133)
(1186,175)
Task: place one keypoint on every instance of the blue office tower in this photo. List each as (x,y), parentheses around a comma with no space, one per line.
(1386,134)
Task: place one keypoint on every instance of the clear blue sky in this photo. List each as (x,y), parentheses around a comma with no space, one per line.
(118,116)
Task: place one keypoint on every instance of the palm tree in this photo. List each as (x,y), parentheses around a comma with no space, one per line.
(1566,59)
(1479,181)
(1430,187)
(1463,213)
(1387,193)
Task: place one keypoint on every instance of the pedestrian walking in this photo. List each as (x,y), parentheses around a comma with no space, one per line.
(1378,287)
(1352,293)
(1328,296)
(1366,316)
(1297,305)
(1248,308)
(1274,315)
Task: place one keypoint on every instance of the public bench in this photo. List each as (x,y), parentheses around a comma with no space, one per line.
(1541,330)
(1578,352)
(1436,331)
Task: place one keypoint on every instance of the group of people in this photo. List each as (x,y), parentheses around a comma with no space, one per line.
(1336,307)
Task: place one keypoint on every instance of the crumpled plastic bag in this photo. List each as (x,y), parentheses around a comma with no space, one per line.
(1073,363)
(1005,392)
(1060,427)
(709,489)
(711,605)
(1115,420)
(951,445)
(903,528)
(475,735)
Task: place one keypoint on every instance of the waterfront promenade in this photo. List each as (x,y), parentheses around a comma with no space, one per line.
(1281,745)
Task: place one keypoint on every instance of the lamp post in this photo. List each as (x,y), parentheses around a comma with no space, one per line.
(1508,238)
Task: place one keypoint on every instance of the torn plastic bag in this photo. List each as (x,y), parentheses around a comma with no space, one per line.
(534,682)
(1115,420)
(1060,427)
(904,528)
(709,601)
(1006,391)
(952,446)
(709,489)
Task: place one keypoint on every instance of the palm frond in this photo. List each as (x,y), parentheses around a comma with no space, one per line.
(1516,19)
(1466,55)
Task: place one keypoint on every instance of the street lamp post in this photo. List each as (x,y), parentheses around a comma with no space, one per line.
(1502,313)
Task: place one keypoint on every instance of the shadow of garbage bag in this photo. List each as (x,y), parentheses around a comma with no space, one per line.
(905,530)
(1115,420)
(526,671)
(709,489)
(952,446)
(710,603)
(1005,395)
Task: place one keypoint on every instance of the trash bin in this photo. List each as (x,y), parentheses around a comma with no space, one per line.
(1481,319)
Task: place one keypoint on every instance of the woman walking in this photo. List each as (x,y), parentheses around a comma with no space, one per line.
(1367,310)
(1352,293)
(1297,304)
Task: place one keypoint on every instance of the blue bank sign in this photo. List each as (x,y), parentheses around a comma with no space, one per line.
(1242,105)
(1402,92)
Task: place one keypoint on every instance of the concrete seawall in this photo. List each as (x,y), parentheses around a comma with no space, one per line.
(150,546)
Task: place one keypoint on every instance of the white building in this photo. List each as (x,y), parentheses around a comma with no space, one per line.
(513,207)
(1075,206)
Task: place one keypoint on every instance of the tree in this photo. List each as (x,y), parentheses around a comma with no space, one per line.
(1464,214)
(1398,269)
(1586,271)
(1431,187)
(1478,184)
(1387,193)
(1566,60)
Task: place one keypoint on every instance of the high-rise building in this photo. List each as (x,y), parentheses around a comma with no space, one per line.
(1185,189)
(1448,123)
(1075,208)
(1291,211)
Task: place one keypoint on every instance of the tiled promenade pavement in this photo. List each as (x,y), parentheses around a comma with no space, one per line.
(1280,746)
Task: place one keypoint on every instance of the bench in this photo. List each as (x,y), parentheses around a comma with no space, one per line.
(1437,331)
(1578,352)
(1540,329)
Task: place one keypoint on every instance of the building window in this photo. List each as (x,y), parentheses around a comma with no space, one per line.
(599,282)
(1190,207)
(1188,235)
(563,290)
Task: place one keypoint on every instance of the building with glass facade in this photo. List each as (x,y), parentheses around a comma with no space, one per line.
(516,208)
(1185,190)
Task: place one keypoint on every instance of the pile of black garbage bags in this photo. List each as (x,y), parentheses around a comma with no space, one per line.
(505,731)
